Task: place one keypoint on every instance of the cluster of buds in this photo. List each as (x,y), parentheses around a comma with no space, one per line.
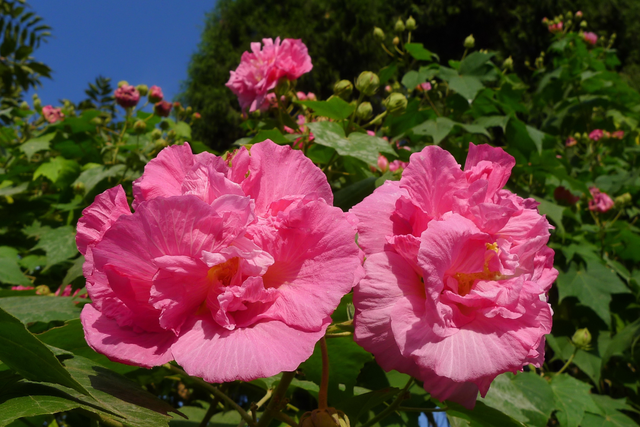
(399,27)
(539,64)
(598,134)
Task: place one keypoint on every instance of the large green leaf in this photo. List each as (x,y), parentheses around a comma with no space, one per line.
(418,51)
(553,211)
(34,145)
(92,176)
(272,134)
(10,271)
(474,63)
(29,357)
(59,244)
(621,341)
(335,108)
(482,416)
(572,399)
(358,406)
(467,86)
(331,134)
(57,169)
(592,286)
(40,308)
(30,400)
(438,129)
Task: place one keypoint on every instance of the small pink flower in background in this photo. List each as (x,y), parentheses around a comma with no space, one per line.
(619,134)
(155,94)
(388,89)
(311,96)
(562,194)
(579,14)
(424,87)
(65,291)
(590,38)
(231,270)
(301,96)
(397,164)
(127,96)
(52,114)
(260,70)
(571,141)
(601,202)
(457,271)
(162,108)
(22,288)
(556,28)
(383,163)
(596,134)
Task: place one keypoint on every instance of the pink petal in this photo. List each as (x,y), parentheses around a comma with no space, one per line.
(490,163)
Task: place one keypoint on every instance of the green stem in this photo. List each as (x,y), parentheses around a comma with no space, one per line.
(215,391)
(426,95)
(566,365)
(353,115)
(387,50)
(274,404)
(391,408)
(210,412)
(257,406)
(285,419)
(324,381)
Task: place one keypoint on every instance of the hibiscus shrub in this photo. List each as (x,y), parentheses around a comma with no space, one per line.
(501,293)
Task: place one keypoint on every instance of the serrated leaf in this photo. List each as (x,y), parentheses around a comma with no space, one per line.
(474,62)
(592,286)
(335,108)
(467,86)
(418,51)
(74,271)
(59,244)
(572,399)
(553,211)
(40,308)
(34,145)
(93,176)
(57,169)
(438,129)
(621,341)
(29,357)
(493,121)
(10,271)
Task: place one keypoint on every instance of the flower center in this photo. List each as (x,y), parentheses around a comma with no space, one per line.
(223,273)
(466,280)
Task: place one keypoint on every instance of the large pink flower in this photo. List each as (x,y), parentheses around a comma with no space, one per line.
(260,70)
(457,270)
(231,270)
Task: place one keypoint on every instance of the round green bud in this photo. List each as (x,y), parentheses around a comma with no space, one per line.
(399,27)
(508,64)
(396,41)
(78,188)
(469,42)
(142,90)
(577,135)
(164,125)
(123,83)
(156,134)
(24,105)
(368,83)
(160,144)
(410,24)
(378,34)
(583,24)
(623,200)
(172,134)
(364,111)
(582,339)
(396,103)
(140,126)
(96,121)
(343,89)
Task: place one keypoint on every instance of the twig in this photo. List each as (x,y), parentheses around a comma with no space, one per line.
(276,400)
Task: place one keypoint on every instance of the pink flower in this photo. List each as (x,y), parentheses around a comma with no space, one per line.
(556,28)
(563,195)
(619,134)
(383,163)
(22,288)
(162,108)
(231,270)
(423,87)
(571,141)
(311,96)
(397,164)
(387,88)
(579,14)
(155,94)
(590,38)
(51,114)
(457,271)
(301,96)
(65,291)
(260,70)
(596,134)
(127,96)
(601,202)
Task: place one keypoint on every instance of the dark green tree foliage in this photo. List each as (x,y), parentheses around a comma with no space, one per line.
(339,37)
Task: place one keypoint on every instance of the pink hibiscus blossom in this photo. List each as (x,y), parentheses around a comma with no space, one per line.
(601,202)
(556,28)
(590,38)
(127,96)
(457,271)
(596,134)
(231,270)
(260,70)
(52,114)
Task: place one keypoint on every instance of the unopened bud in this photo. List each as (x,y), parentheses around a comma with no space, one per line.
(142,90)
(156,134)
(378,34)
(78,188)
(469,42)
(410,24)
(196,116)
(160,144)
(343,89)
(508,64)
(396,103)
(172,134)
(364,111)
(582,339)
(123,83)
(163,124)
(43,290)
(329,417)
(583,24)
(24,105)
(368,83)
(396,41)
(623,200)
(545,20)
(579,14)
(37,104)
(140,126)
(96,121)
(399,27)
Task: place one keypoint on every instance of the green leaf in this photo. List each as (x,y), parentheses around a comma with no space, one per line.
(335,108)
(474,62)
(7,190)
(387,72)
(30,400)
(375,142)
(29,357)
(612,420)
(621,341)
(94,175)
(183,130)
(346,359)
(57,169)
(59,245)
(74,271)
(589,363)
(331,134)
(523,137)
(10,271)
(34,145)
(353,194)
(553,211)
(438,129)
(272,134)
(525,397)
(572,399)
(40,308)
(493,121)
(358,406)
(482,416)
(418,51)
(592,286)
(467,86)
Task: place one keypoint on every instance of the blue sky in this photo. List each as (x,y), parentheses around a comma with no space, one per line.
(140,41)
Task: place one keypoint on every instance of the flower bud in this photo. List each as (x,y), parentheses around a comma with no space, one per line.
(155,94)
(396,103)
(469,42)
(329,417)
(43,290)
(142,90)
(126,96)
(164,125)
(583,24)
(160,144)
(156,134)
(311,96)
(396,41)
(24,105)
(508,64)
(37,104)
(410,24)
(364,111)
(378,34)
(78,188)
(140,126)
(623,200)
(545,21)
(123,83)
(579,14)
(368,83)
(399,27)
(172,134)
(96,121)
(383,163)
(343,89)
(196,116)
(162,108)
(582,339)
